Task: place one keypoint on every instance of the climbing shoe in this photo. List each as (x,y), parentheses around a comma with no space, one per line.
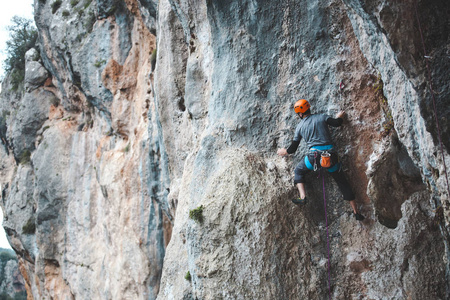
(299,201)
(359,217)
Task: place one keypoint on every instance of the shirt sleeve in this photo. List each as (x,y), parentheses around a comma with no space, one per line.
(297,135)
(334,122)
(293,147)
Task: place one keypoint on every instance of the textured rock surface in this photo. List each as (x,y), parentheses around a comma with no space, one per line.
(91,186)
(261,58)
(109,155)
(35,73)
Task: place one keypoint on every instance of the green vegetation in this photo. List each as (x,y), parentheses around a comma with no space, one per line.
(21,296)
(87,3)
(113,8)
(197,214)
(56,5)
(36,56)
(388,125)
(153,59)
(99,63)
(5,256)
(188,276)
(17,77)
(74,2)
(79,12)
(90,22)
(25,157)
(29,227)
(79,37)
(65,13)
(22,37)
(17,296)
(5,296)
(127,148)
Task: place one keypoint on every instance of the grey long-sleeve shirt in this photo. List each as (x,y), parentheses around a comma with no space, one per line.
(314,130)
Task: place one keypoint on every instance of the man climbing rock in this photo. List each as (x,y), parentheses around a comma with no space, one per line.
(313,128)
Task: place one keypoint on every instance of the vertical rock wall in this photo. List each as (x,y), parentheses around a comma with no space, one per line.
(95,178)
(109,153)
(265,55)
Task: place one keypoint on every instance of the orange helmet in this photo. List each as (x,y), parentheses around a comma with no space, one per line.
(301,106)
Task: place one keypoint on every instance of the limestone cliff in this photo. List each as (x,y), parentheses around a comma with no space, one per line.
(138,111)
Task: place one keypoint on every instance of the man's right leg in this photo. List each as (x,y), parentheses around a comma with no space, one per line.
(346,190)
(299,181)
(353,205)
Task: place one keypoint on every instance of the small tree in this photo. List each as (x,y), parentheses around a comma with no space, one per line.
(22,37)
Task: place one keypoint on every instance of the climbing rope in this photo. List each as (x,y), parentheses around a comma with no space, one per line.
(434,101)
(328,241)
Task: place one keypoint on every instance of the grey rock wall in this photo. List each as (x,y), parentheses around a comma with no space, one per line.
(95,179)
(264,57)
(106,156)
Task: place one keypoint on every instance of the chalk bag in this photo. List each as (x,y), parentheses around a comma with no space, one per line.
(325,159)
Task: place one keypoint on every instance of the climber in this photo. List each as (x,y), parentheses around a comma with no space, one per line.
(313,128)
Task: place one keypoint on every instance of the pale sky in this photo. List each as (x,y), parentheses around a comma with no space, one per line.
(3,241)
(22,8)
(10,8)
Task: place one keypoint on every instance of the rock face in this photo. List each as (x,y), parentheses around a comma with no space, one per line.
(36,74)
(106,153)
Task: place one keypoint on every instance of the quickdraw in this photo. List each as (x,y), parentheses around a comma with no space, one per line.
(315,161)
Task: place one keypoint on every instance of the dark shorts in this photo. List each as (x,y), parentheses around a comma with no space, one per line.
(308,163)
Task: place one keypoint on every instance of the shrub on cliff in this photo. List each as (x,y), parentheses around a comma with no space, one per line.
(25,157)
(197,214)
(188,276)
(29,227)
(22,37)
(5,256)
(18,296)
(153,59)
(19,292)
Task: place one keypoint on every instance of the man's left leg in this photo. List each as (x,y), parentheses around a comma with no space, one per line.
(346,190)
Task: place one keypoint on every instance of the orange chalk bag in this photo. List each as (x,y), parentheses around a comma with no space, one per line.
(325,159)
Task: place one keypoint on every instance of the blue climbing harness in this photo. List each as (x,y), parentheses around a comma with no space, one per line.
(318,150)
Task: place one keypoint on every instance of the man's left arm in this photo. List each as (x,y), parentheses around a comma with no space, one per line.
(291,149)
(336,122)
